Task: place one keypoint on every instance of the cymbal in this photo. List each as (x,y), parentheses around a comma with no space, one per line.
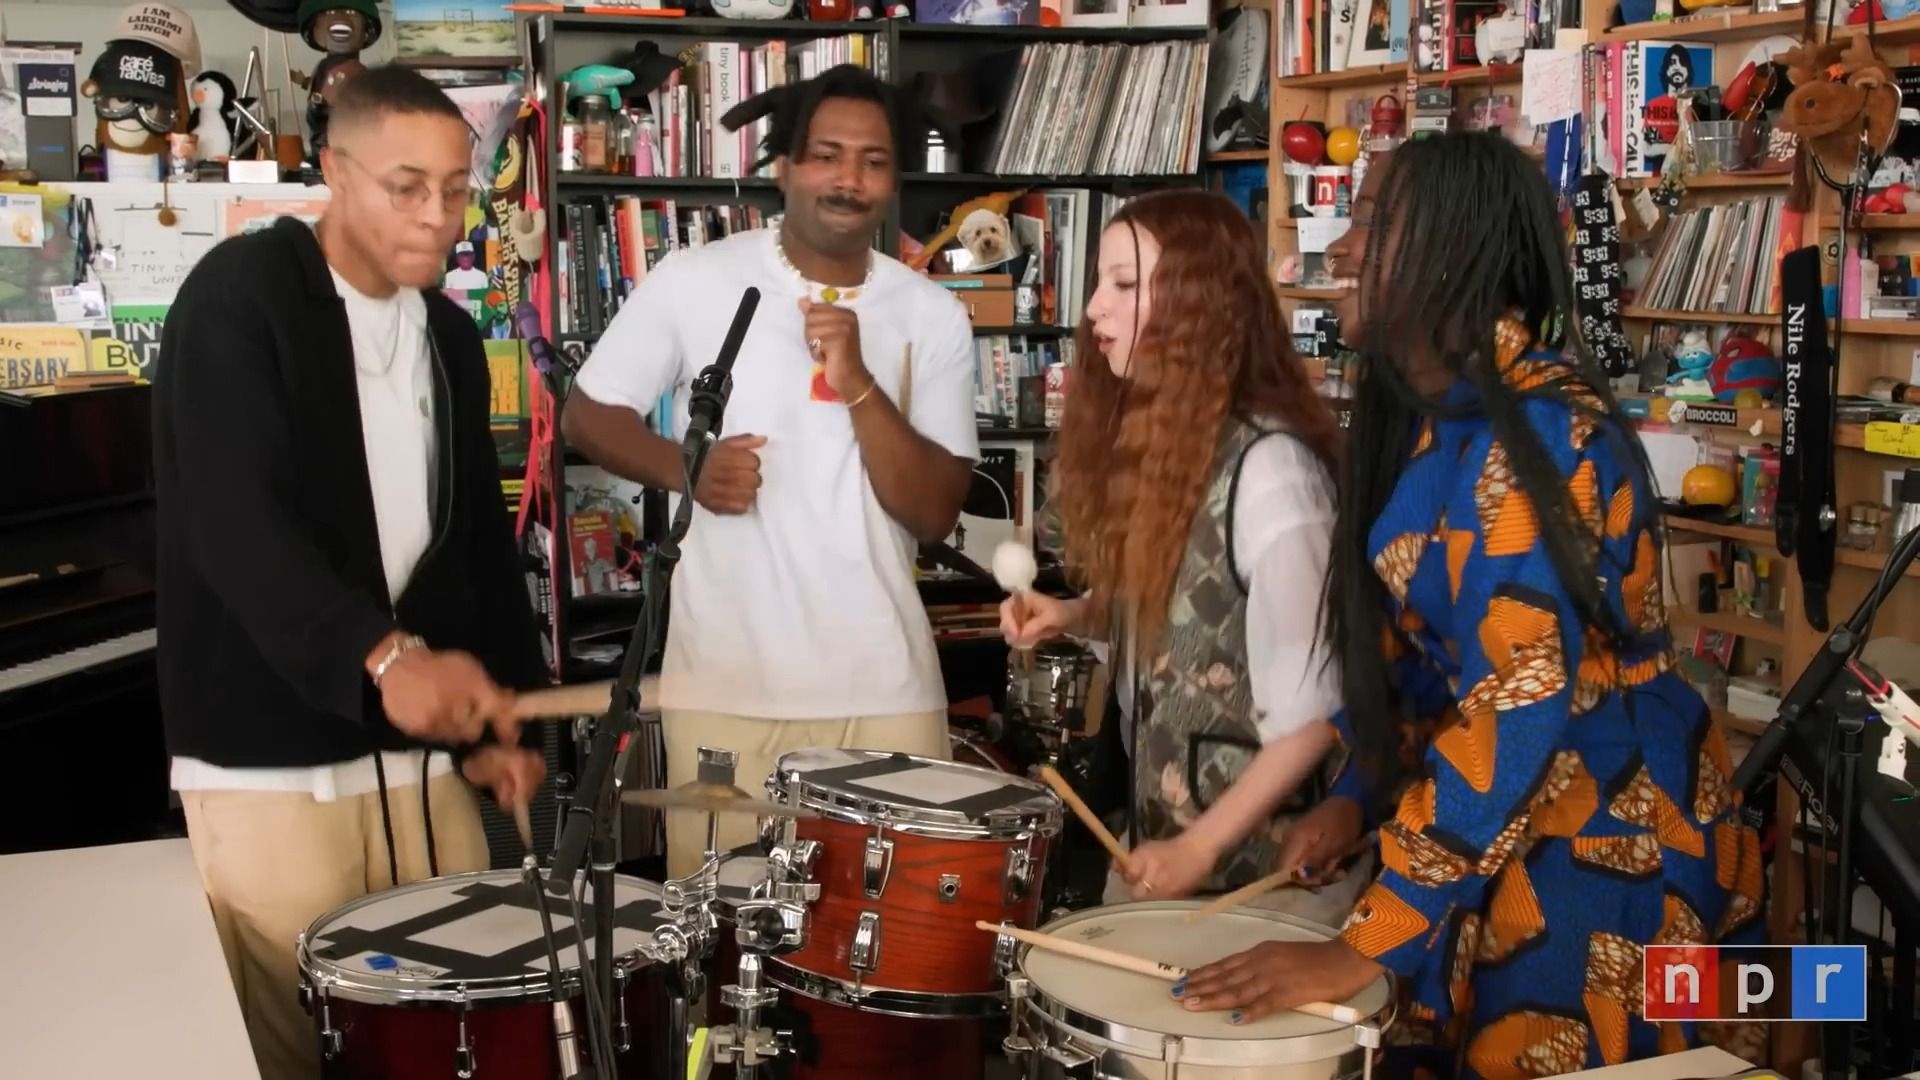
(712,798)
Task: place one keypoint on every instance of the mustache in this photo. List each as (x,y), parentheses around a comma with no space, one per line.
(846,202)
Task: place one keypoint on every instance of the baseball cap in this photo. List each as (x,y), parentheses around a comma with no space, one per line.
(311,9)
(137,71)
(163,25)
(463,248)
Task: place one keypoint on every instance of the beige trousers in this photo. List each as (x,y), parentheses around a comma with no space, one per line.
(760,742)
(273,861)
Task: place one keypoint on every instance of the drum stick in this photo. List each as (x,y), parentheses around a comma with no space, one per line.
(1277,879)
(1086,815)
(1345,1014)
(583,699)
(523,823)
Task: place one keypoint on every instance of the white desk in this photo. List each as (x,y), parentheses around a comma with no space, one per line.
(1697,1064)
(112,968)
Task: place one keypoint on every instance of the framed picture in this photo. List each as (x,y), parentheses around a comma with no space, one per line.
(461,31)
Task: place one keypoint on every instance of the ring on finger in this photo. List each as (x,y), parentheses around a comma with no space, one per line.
(814,344)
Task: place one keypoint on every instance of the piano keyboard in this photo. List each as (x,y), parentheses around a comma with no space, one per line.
(48,668)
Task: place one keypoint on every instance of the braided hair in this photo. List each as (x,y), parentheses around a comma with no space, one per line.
(1467,233)
(791,107)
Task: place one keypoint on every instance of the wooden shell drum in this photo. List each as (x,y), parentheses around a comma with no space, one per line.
(1052,694)
(450,977)
(909,852)
(1074,1018)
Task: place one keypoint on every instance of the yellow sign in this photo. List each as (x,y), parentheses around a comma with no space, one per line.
(1886,437)
(37,355)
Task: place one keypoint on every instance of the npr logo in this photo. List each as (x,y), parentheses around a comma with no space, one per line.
(1712,982)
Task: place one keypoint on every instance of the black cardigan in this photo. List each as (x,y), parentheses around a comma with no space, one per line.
(271,590)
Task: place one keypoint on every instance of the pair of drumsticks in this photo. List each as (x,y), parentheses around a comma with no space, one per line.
(556,703)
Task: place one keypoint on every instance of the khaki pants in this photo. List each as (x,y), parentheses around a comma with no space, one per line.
(272,862)
(760,742)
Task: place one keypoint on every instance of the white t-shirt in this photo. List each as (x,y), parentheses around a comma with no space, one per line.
(1282,536)
(395,375)
(804,607)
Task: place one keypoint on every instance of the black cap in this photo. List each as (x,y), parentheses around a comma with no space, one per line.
(137,71)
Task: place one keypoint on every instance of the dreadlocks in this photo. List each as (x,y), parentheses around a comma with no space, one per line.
(791,108)
(1466,233)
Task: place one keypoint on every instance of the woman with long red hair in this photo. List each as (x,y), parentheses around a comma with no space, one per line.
(1192,489)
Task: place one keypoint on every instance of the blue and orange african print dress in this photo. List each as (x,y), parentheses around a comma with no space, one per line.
(1570,803)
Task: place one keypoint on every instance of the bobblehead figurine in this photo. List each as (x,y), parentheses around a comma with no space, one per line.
(341,29)
(139,96)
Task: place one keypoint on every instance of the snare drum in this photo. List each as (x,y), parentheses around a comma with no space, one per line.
(1053,694)
(450,976)
(908,852)
(1078,1018)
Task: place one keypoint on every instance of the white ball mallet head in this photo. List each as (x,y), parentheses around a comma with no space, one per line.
(1014,567)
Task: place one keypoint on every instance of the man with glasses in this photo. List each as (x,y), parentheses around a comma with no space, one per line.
(340,602)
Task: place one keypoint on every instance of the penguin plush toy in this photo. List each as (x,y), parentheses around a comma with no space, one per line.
(213,96)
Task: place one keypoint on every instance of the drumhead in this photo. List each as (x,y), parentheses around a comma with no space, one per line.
(915,794)
(476,935)
(1138,1013)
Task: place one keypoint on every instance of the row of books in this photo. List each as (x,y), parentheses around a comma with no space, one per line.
(1720,258)
(1107,110)
(1002,365)
(1316,36)
(686,137)
(1063,225)
(611,244)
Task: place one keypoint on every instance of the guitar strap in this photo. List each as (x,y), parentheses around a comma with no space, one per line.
(1803,517)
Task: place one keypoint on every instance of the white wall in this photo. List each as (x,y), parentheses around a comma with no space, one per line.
(225,37)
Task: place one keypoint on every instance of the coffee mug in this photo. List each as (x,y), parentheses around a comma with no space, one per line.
(1332,190)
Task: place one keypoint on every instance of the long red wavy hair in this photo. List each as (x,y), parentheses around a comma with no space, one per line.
(1135,455)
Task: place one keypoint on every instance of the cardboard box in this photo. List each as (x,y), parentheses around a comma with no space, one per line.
(988,297)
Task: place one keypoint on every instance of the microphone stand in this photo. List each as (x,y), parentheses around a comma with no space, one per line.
(590,817)
(1807,696)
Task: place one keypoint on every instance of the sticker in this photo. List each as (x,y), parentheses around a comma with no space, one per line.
(21,224)
(382,962)
(79,304)
(1900,440)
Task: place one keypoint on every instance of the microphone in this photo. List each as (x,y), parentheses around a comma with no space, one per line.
(714,385)
(546,359)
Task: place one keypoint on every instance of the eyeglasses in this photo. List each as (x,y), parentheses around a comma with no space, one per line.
(158,119)
(408,197)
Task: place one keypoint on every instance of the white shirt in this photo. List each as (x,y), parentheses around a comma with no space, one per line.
(804,607)
(1282,535)
(394,371)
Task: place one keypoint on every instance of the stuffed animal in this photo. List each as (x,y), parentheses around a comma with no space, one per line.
(1743,364)
(1839,91)
(139,98)
(1693,356)
(997,203)
(213,97)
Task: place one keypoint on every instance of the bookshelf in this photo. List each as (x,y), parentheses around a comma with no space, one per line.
(897,51)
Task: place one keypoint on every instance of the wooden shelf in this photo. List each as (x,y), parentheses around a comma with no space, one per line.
(1898,32)
(1011,180)
(1723,26)
(1296,292)
(1875,561)
(1750,535)
(916,32)
(1715,180)
(608,182)
(1369,75)
(1769,318)
(1728,622)
(1228,157)
(1874,222)
(1029,330)
(1658,412)
(1495,73)
(1881,327)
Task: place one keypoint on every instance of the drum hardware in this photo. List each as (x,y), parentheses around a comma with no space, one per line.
(1049,692)
(763,927)
(878,864)
(949,888)
(1017,882)
(590,819)
(864,956)
(463,1063)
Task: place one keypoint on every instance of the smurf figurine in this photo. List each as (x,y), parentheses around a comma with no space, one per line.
(1693,357)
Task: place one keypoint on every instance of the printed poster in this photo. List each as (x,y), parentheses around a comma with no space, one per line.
(38,355)
(242,216)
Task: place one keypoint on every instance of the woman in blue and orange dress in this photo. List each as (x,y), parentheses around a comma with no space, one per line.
(1495,601)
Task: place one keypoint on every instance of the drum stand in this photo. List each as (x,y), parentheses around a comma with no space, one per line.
(768,926)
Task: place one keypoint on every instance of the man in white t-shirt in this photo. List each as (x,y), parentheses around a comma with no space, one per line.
(795,621)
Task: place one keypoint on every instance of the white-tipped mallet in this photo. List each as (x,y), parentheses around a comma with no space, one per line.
(1014,568)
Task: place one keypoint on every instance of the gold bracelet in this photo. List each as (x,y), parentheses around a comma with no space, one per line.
(872,385)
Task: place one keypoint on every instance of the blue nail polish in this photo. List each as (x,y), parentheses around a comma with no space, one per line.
(1237,1017)
(1179,989)
(1306,871)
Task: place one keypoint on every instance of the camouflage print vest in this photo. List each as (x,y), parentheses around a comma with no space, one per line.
(1194,725)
